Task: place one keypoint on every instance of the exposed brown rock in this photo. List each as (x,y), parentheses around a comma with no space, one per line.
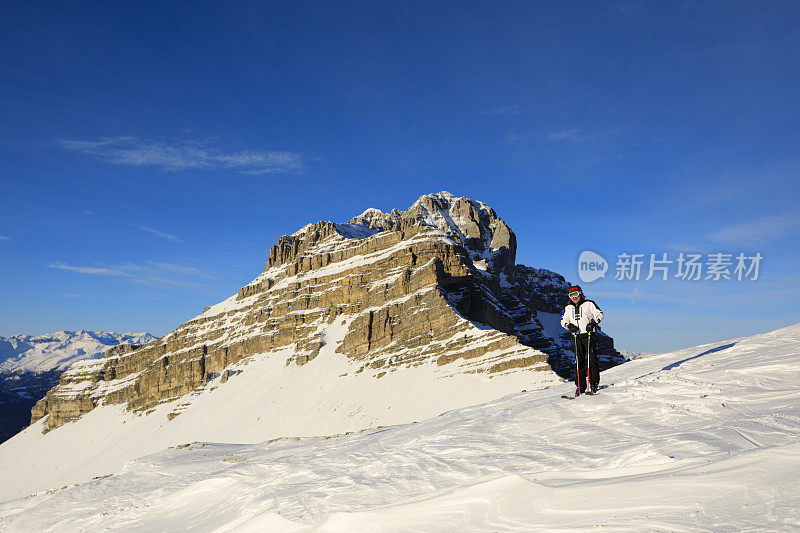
(436,283)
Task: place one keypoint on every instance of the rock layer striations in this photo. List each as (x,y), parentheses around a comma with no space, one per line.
(435,285)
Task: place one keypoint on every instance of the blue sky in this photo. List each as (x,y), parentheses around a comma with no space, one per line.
(150,154)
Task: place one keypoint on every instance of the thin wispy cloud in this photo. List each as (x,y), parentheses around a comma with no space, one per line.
(573,135)
(96,271)
(183,154)
(758,231)
(161,234)
(158,233)
(151,273)
(3,238)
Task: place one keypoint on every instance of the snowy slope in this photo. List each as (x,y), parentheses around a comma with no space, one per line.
(56,351)
(702,439)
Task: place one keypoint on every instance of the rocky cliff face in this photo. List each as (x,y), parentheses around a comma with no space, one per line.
(434,285)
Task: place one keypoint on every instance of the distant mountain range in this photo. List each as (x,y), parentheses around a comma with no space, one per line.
(629,355)
(56,351)
(31,364)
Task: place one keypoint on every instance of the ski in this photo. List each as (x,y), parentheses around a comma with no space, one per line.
(587,393)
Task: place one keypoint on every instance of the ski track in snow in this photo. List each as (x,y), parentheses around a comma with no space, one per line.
(702,439)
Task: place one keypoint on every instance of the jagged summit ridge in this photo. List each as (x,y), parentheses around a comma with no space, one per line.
(458,220)
(434,286)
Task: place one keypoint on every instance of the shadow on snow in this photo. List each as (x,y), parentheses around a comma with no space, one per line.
(712,350)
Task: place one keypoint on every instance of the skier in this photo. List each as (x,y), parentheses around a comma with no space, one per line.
(581,317)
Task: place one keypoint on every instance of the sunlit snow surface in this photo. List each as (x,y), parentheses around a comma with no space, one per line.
(703,439)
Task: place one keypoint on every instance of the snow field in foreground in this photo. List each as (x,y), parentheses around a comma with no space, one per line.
(702,439)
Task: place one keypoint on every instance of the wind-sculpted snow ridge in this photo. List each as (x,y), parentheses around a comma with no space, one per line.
(701,439)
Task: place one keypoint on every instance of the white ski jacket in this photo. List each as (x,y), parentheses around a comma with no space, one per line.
(581,314)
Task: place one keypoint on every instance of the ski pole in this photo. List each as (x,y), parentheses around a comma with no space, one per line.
(588,345)
(577,367)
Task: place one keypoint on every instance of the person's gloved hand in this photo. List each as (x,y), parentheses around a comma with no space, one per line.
(573,329)
(590,326)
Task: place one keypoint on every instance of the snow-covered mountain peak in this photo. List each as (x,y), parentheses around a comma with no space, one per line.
(442,196)
(442,216)
(368,213)
(376,219)
(473,224)
(57,350)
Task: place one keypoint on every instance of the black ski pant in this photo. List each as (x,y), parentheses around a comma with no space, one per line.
(581,341)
